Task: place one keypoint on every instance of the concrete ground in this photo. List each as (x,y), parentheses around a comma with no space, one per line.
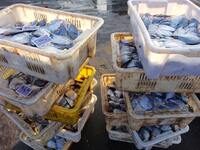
(94,135)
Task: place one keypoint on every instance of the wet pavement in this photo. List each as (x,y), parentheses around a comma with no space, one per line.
(94,135)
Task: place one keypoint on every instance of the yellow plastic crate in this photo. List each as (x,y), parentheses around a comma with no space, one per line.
(69,116)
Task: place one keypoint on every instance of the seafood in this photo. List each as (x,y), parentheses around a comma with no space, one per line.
(169,32)
(56,35)
(56,143)
(156,102)
(152,132)
(116,101)
(128,57)
(25,85)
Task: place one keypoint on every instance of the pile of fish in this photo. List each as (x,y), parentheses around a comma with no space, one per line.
(158,102)
(169,32)
(69,98)
(56,143)
(25,85)
(56,35)
(116,101)
(128,57)
(153,132)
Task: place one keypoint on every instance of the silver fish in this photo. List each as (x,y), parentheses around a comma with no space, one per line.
(161,30)
(61,40)
(189,38)
(60,143)
(51,144)
(155,132)
(179,21)
(41,31)
(23,38)
(165,128)
(144,134)
(147,19)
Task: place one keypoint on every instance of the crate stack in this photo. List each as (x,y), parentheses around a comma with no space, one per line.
(148,75)
(54,115)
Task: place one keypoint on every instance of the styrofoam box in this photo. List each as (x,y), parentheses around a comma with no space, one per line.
(159,61)
(49,65)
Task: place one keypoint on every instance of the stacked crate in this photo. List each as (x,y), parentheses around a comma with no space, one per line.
(44,116)
(124,126)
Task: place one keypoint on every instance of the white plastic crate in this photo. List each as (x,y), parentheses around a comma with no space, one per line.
(46,133)
(52,128)
(158,61)
(52,66)
(135,79)
(36,145)
(37,104)
(76,136)
(159,140)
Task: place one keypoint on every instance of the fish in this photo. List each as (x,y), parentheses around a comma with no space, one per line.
(170,43)
(51,144)
(155,132)
(59,143)
(157,30)
(166,128)
(189,38)
(164,20)
(145,103)
(41,31)
(144,134)
(179,21)
(118,93)
(134,64)
(23,38)
(61,40)
(72,31)
(147,19)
